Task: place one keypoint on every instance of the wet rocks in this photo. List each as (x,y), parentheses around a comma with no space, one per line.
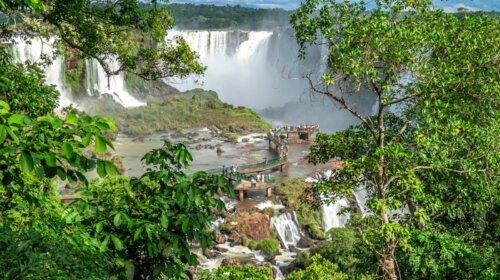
(235,237)
(220,238)
(231,262)
(211,253)
(305,242)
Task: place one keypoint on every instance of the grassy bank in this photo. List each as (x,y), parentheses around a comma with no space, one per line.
(195,108)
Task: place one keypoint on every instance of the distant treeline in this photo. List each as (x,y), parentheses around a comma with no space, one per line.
(189,16)
(462,13)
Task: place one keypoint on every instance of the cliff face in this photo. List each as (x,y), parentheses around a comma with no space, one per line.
(254,226)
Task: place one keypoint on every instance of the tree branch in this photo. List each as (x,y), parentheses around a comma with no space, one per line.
(340,100)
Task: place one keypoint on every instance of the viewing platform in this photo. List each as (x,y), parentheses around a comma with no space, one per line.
(246,185)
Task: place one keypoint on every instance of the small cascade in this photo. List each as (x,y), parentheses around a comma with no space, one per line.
(35,51)
(279,274)
(331,214)
(97,82)
(269,204)
(287,227)
(360,196)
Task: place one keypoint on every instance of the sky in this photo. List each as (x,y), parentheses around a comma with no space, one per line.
(447,5)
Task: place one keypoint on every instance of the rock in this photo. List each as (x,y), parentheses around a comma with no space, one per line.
(221,249)
(219,150)
(220,238)
(231,262)
(195,244)
(210,253)
(305,242)
(254,225)
(289,268)
(235,237)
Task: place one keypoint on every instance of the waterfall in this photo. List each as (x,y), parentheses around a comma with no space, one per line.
(331,214)
(35,51)
(261,70)
(287,227)
(97,82)
(239,67)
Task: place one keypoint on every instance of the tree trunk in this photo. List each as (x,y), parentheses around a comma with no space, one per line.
(389,267)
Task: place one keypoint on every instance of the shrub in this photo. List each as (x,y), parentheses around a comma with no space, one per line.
(269,246)
(319,269)
(248,242)
(246,272)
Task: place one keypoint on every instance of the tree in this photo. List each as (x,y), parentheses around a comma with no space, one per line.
(23,92)
(56,240)
(146,223)
(431,75)
(129,31)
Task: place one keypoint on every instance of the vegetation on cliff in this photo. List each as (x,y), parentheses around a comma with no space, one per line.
(194,108)
(294,194)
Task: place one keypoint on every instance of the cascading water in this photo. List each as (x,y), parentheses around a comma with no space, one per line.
(331,214)
(287,227)
(35,51)
(97,82)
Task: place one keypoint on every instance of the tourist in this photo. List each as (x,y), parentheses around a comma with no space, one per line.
(253,182)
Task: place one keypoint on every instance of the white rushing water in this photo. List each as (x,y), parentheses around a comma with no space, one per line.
(96,80)
(35,51)
(331,214)
(241,68)
(287,227)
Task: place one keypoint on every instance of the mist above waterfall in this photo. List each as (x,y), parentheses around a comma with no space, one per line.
(261,70)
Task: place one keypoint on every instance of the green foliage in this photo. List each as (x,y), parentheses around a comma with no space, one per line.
(443,256)
(249,242)
(247,272)
(195,108)
(295,196)
(191,16)
(345,249)
(319,269)
(132,32)
(38,240)
(439,74)
(269,246)
(50,147)
(145,223)
(22,88)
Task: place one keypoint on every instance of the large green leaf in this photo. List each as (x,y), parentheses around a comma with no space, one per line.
(117,242)
(67,150)
(100,144)
(3,134)
(26,161)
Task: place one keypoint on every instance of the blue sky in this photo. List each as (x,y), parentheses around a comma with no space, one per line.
(448,5)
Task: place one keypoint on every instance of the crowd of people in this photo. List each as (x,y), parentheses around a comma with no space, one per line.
(301,127)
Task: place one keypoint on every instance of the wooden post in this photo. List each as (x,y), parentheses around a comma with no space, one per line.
(269,192)
(242,195)
(282,167)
